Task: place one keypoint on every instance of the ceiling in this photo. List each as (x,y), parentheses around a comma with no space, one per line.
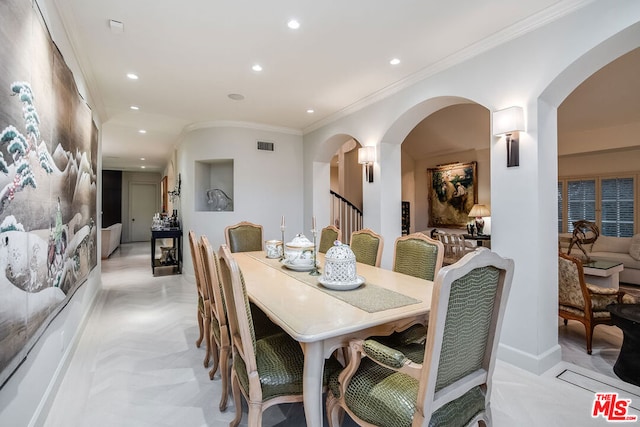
(189,59)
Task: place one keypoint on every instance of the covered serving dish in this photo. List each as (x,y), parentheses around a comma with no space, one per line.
(299,251)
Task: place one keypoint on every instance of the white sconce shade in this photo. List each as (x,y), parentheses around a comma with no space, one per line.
(366,157)
(508,121)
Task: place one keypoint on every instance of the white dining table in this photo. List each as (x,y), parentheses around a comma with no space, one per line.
(322,322)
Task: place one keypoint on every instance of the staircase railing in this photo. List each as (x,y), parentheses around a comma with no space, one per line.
(345,216)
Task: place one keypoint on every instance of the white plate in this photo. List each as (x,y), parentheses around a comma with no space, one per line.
(344,286)
(297,267)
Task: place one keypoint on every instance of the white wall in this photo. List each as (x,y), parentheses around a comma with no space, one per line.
(267,184)
(530,72)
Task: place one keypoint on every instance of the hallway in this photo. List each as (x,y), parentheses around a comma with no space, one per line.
(136,365)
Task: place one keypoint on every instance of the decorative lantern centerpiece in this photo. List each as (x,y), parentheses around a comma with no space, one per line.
(340,268)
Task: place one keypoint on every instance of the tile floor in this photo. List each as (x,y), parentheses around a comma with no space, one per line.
(136,365)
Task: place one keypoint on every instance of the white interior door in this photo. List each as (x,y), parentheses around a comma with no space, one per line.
(143,204)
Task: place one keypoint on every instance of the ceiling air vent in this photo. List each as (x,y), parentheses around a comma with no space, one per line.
(268,146)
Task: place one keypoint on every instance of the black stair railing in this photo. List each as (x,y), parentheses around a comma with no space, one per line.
(345,215)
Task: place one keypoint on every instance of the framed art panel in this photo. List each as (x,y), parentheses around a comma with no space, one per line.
(453,190)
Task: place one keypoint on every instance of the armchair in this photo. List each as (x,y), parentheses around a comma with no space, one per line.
(446,381)
(455,247)
(581,301)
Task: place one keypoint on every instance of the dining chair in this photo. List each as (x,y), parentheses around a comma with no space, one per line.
(266,371)
(418,255)
(220,340)
(244,237)
(581,301)
(203,310)
(328,235)
(448,380)
(367,246)
(455,247)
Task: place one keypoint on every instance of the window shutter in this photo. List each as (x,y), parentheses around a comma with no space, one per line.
(581,201)
(617,207)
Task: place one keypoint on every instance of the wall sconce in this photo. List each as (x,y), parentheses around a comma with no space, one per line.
(510,122)
(366,157)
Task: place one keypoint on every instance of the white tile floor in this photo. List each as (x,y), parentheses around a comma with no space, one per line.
(136,365)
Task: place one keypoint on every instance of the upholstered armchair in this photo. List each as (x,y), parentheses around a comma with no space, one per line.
(244,237)
(328,235)
(445,382)
(367,246)
(581,301)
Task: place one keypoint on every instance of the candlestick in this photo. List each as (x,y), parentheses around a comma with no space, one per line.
(315,271)
(313,224)
(282,228)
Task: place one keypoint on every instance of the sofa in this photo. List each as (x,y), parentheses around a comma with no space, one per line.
(110,239)
(622,249)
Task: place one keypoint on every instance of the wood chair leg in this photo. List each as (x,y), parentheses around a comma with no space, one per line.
(589,332)
(215,354)
(225,374)
(235,386)
(201,328)
(207,334)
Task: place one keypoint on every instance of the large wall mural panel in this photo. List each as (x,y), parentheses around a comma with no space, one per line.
(48,165)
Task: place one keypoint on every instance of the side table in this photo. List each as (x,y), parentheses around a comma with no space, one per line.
(169,233)
(627,318)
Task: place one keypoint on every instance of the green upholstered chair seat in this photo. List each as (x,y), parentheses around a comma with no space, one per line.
(414,334)
(200,304)
(280,363)
(387,398)
(215,327)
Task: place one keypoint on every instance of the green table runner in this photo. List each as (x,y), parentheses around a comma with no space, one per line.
(368,297)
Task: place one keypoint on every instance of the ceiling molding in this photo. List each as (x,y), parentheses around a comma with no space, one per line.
(512,32)
(239,124)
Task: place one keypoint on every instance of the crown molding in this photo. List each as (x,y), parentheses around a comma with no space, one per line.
(239,124)
(512,32)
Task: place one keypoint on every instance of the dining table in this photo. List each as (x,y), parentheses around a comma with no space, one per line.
(323,320)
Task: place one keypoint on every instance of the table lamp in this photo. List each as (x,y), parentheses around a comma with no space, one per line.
(478,211)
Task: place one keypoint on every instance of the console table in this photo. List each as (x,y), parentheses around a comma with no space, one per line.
(171,233)
(627,318)
(479,238)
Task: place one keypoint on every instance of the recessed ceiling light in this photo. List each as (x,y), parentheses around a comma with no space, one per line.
(143,167)
(135,107)
(142,131)
(394,61)
(142,158)
(293,24)
(132,76)
(257,67)
(236,96)
(310,111)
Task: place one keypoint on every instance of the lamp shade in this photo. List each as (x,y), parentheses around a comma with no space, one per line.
(479,211)
(508,120)
(366,155)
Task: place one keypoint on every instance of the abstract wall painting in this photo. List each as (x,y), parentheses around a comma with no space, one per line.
(48,165)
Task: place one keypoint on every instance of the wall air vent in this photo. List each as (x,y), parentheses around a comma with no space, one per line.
(268,146)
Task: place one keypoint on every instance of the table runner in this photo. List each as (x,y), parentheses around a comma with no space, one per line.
(368,297)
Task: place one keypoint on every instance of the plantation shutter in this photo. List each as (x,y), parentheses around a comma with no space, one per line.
(581,201)
(559,206)
(617,207)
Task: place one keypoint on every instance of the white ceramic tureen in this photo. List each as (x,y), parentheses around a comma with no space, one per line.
(340,268)
(299,251)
